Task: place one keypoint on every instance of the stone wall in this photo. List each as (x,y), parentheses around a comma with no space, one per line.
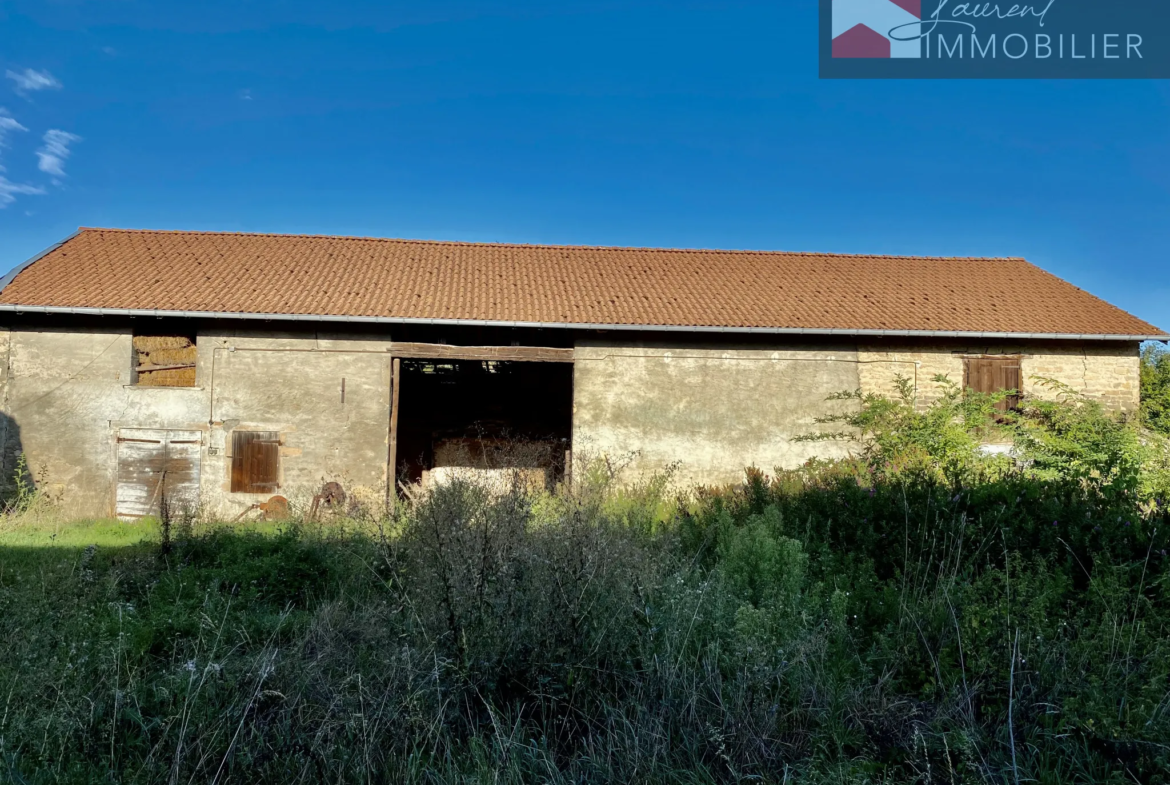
(293,385)
(1105,371)
(67,395)
(711,410)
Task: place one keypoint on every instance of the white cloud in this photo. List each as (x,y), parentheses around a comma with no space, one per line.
(29,80)
(52,156)
(9,191)
(8,124)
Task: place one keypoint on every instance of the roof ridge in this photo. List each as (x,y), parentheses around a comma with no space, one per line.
(556,246)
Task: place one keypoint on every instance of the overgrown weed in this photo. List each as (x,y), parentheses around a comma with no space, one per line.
(913,615)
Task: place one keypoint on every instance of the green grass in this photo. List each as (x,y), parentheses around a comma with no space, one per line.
(55,533)
(52,532)
(806,627)
(922,614)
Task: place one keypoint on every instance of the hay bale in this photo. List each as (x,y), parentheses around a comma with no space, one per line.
(165,350)
(178,377)
(167,356)
(149,343)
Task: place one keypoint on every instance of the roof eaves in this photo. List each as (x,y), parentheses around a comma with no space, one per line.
(812,331)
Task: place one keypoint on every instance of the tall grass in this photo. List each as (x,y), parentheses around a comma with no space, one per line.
(811,626)
(921,614)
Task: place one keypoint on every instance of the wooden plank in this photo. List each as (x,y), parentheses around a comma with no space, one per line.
(392,449)
(1010,380)
(141,463)
(181,480)
(442,351)
(239,468)
(155,464)
(174,367)
(266,463)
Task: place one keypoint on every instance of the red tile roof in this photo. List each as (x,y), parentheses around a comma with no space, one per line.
(365,278)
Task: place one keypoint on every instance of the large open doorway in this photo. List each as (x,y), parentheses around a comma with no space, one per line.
(482,418)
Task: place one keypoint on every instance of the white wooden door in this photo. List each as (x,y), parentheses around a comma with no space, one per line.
(154,465)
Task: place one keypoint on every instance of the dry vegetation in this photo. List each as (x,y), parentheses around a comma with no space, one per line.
(921,614)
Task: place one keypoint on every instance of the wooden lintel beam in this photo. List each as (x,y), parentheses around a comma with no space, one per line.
(442,351)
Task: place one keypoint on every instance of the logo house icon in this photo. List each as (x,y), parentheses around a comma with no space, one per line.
(861,28)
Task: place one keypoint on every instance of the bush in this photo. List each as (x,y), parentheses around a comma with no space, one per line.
(1072,438)
(898,437)
(1155,385)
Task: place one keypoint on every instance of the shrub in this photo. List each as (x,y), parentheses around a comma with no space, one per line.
(897,436)
(1073,438)
(1155,386)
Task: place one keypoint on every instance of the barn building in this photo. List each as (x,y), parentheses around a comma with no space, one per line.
(218,370)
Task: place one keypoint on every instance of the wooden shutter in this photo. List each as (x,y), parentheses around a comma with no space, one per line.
(255,461)
(993,375)
(153,465)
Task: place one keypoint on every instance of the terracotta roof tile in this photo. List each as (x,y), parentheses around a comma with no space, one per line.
(409,279)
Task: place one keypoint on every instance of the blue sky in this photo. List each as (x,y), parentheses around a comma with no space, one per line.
(693,124)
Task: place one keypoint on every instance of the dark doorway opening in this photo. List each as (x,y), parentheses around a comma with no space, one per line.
(488,416)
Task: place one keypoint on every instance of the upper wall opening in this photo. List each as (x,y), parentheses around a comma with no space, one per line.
(163,358)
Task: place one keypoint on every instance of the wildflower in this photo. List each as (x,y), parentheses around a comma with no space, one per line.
(189,666)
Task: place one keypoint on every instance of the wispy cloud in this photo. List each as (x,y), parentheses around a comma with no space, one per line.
(9,191)
(8,124)
(51,157)
(30,80)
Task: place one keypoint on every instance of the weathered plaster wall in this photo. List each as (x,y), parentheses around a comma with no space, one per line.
(713,410)
(67,394)
(1107,372)
(293,386)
